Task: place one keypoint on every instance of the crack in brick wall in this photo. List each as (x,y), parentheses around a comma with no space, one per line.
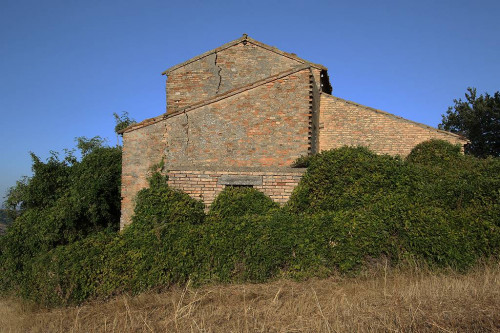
(186,127)
(218,74)
(264,121)
(222,71)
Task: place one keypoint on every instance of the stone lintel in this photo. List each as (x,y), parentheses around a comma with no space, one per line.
(239,180)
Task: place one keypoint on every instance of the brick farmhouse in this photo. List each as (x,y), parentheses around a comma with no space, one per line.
(241,114)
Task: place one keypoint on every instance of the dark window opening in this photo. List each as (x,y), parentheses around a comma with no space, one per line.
(240,186)
(325,83)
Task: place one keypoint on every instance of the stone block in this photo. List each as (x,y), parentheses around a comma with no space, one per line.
(241,180)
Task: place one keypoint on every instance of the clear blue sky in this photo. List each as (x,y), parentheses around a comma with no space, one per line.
(66,66)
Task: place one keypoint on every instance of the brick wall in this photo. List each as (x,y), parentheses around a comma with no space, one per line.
(224,70)
(266,125)
(142,148)
(314,94)
(206,185)
(343,122)
(244,106)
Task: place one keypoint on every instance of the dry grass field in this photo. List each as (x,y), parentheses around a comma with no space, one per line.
(380,300)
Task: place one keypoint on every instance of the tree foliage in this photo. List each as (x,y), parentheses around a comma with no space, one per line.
(347,178)
(434,152)
(351,208)
(86,145)
(65,200)
(89,188)
(478,119)
(122,121)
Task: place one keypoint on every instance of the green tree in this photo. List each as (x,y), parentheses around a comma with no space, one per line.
(86,145)
(70,198)
(49,182)
(122,121)
(4,220)
(478,119)
(67,199)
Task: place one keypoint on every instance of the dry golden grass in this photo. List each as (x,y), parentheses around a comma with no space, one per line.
(378,301)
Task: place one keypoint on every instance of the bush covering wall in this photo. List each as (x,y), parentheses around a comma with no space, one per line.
(351,207)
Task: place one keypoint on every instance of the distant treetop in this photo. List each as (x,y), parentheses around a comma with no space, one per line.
(478,119)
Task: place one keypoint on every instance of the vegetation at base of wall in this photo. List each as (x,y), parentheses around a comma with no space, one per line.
(347,178)
(435,152)
(162,205)
(351,208)
(240,201)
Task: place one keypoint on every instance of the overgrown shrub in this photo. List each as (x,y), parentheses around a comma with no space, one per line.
(348,178)
(303,161)
(449,238)
(434,152)
(352,207)
(69,274)
(457,183)
(240,201)
(161,204)
(65,200)
(160,246)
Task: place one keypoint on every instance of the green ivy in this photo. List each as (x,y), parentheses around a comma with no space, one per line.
(352,207)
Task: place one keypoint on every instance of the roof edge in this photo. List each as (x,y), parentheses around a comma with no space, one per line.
(144,123)
(286,54)
(215,98)
(237,41)
(398,117)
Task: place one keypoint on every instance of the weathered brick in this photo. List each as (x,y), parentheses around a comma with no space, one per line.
(248,109)
(347,123)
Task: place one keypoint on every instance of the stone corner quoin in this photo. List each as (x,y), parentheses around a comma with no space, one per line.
(241,114)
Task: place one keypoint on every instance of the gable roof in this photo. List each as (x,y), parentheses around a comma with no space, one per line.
(242,39)
(390,115)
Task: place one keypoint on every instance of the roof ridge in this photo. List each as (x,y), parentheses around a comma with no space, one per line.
(397,117)
(286,54)
(245,37)
(216,98)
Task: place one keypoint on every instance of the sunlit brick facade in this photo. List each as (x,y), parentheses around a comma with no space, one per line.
(239,115)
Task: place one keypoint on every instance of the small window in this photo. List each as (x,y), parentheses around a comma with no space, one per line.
(240,186)
(240,180)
